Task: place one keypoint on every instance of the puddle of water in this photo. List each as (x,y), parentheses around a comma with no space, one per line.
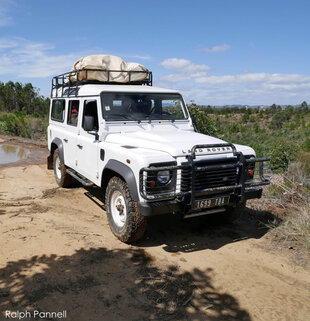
(11,154)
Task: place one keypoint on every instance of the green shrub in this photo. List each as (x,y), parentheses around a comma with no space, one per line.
(256,128)
(243,129)
(37,128)
(251,119)
(233,128)
(306,144)
(281,154)
(14,124)
(204,123)
(245,117)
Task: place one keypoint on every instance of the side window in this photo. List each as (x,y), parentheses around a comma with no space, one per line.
(73,112)
(58,110)
(90,109)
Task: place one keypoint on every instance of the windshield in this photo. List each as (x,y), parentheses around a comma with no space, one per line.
(140,107)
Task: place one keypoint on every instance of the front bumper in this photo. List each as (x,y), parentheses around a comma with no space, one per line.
(200,180)
(183,208)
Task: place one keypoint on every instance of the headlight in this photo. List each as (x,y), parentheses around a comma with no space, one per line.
(163,177)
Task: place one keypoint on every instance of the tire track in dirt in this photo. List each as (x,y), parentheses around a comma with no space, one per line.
(194,270)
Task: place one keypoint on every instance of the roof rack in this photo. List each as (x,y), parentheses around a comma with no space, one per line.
(69,82)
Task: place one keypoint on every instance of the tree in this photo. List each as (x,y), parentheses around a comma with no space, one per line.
(272,109)
(22,98)
(303,108)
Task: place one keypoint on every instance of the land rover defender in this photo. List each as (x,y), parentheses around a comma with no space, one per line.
(138,144)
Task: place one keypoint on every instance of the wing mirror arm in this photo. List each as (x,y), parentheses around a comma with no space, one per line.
(94,133)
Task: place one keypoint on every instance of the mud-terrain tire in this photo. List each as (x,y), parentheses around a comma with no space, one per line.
(232,213)
(125,221)
(63,179)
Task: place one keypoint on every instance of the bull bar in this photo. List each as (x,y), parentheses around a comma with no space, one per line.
(243,188)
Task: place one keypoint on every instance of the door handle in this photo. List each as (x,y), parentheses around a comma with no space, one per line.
(79,146)
(66,140)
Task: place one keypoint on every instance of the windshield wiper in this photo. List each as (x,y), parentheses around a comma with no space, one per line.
(150,117)
(129,117)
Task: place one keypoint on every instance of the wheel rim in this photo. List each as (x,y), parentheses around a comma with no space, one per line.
(57,168)
(118,208)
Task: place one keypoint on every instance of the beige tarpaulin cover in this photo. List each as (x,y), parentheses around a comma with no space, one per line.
(108,62)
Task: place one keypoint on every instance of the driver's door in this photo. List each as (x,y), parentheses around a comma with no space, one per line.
(87,144)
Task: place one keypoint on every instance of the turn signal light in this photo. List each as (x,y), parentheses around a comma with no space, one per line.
(251,172)
(152,184)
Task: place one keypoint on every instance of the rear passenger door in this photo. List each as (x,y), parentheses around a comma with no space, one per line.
(70,141)
(87,144)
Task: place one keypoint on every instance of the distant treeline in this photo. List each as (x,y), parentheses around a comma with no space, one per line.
(273,109)
(18,97)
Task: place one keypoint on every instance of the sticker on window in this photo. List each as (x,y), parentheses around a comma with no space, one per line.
(117,103)
(107,108)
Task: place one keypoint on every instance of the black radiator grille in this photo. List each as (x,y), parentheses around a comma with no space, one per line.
(210,178)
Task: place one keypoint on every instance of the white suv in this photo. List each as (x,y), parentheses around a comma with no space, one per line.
(138,143)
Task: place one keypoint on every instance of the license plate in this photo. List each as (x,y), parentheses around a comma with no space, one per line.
(211,202)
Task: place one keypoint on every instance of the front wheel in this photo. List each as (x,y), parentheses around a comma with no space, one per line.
(125,221)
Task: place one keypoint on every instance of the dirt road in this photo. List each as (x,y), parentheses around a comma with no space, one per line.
(57,253)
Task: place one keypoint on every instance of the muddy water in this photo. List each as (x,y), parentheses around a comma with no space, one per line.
(17,154)
(11,154)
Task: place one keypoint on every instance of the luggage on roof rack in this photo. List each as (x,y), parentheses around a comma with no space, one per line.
(100,69)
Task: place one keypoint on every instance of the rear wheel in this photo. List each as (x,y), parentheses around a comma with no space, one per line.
(125,221)
(63,179)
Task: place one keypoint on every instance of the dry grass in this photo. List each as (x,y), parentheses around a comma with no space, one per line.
(289,198)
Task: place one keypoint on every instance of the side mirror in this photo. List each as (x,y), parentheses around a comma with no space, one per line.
(88,123)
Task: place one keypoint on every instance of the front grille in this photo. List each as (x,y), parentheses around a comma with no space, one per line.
(210,177)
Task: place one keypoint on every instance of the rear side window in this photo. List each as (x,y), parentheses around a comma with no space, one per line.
(58,110)
(73,112)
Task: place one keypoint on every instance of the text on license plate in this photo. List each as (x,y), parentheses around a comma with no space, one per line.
(211,202)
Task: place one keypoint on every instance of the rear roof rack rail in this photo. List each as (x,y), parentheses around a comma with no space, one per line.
(69,82)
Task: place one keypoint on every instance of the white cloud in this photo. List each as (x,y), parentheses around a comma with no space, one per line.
(183,65)
(22,58)
(175,77)
(280,80)
(217,48)
(185,70)
(243,88)
(27,59)
(8,43)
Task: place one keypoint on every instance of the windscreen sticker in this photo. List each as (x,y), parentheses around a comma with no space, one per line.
(107,108)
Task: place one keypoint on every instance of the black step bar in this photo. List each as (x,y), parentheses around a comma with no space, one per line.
(80,178)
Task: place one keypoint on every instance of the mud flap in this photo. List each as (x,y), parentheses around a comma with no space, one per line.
(50,162)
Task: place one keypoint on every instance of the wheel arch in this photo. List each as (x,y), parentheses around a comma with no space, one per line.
(56,143)
(116,168)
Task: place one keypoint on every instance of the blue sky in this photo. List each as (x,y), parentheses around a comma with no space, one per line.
(215,52)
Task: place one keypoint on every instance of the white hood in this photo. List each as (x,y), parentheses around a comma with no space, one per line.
(175,142)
